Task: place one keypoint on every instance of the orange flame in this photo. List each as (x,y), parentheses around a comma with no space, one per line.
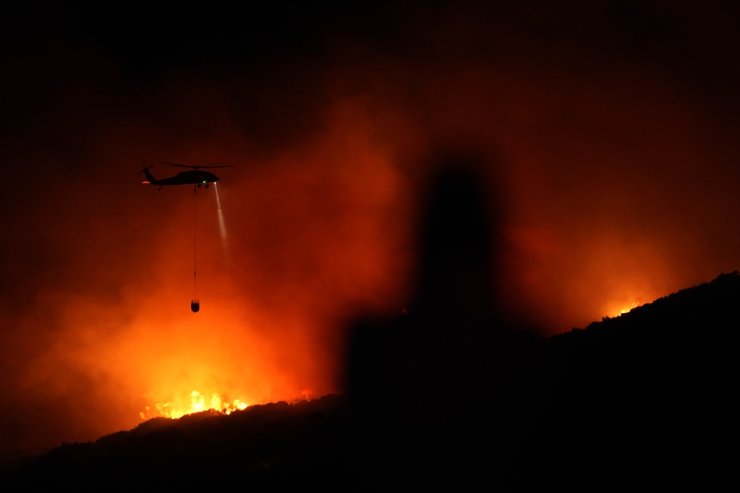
(618,308)
(198,403)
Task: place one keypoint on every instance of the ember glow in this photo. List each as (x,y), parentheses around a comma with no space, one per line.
(628,308)
(616,309)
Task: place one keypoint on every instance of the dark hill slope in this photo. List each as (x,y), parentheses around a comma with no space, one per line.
(275,445)
(644,401)
(647,397)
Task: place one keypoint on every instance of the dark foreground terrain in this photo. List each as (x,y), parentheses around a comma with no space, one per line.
(642,401)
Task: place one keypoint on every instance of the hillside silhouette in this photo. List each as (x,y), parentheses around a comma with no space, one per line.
(451,395)
(642,400)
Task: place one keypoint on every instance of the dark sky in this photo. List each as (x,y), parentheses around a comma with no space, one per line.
(610,127)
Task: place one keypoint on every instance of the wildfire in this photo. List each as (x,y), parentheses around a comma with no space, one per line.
(198,403)
(627,309)
(616,309)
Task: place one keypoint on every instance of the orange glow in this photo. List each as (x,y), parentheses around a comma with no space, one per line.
(617,309)
(198,403)
(628,309)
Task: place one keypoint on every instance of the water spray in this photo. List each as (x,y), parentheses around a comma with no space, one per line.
(221,222)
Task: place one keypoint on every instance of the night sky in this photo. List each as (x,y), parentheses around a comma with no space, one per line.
(610,128)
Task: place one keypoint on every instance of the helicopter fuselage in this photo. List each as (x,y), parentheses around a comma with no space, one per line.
(193,177)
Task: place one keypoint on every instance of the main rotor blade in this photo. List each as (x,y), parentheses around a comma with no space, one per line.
(198,166)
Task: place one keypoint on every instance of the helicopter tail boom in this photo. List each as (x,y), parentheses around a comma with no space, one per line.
(150,179)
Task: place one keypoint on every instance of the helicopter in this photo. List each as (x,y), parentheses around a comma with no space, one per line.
(194,176)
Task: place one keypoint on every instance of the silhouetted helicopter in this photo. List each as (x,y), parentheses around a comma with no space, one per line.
(195,176)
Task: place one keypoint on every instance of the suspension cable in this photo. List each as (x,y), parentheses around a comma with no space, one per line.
(195,243)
